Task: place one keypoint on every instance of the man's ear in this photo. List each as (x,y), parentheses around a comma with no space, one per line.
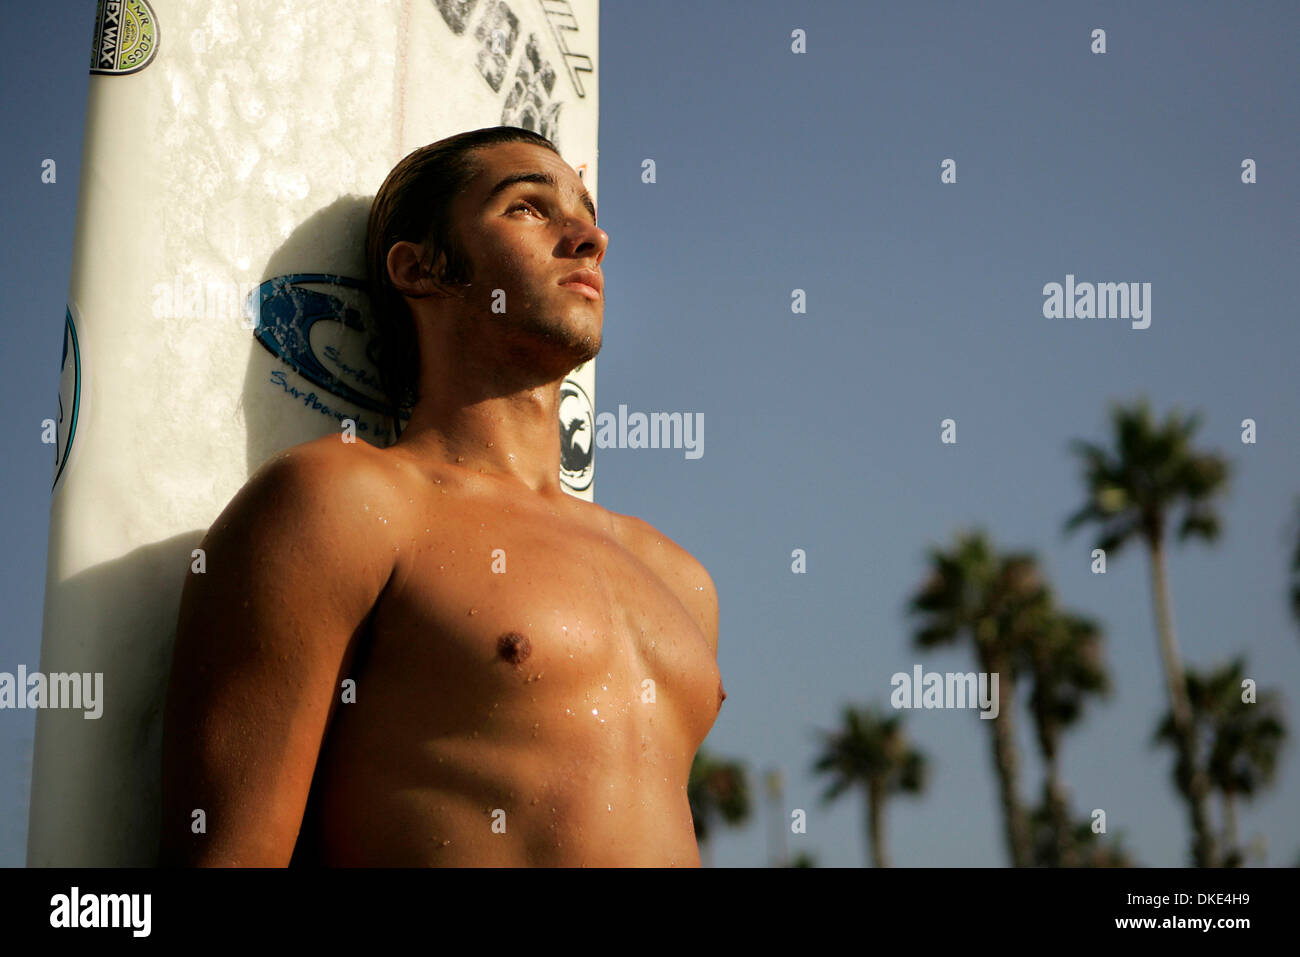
(407,272)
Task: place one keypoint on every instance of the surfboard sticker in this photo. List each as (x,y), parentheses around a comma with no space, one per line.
(70,397)
(126,37)
(577,434)
(315,323)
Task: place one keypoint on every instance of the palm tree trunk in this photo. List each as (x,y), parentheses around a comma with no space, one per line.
(776,852)
(1065,856)
(875,822)
(1230,824)
(1198,787)
(1007,764)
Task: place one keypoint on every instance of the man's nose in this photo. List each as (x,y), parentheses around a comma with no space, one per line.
(588,239)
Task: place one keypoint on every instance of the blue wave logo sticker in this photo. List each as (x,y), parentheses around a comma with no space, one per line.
(69,397)
(313,321)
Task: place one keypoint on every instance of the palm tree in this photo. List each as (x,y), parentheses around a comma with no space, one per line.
(1243,740)
(1065,663)
(1132,493)
(718,792)
(1085,848)
(973,593)
(871,751)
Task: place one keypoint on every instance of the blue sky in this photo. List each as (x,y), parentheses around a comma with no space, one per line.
(820,171)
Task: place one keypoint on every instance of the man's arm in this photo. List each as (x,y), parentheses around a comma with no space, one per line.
(294,566)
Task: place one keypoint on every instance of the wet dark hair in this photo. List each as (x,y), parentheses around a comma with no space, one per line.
(414,204)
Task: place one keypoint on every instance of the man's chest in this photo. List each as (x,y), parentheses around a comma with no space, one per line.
(532,614)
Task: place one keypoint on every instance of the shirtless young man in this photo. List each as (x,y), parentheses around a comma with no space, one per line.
(533,673)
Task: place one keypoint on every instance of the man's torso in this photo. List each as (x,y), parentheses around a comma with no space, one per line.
(531,688)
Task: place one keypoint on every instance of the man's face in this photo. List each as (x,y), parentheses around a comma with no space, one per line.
(525,238)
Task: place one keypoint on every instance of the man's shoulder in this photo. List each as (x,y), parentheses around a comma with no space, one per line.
(327,467)
(315,491)
(681,571)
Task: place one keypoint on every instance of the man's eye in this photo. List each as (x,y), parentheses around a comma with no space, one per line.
(523,205)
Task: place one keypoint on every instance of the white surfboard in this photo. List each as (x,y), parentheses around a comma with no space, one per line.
(215,313)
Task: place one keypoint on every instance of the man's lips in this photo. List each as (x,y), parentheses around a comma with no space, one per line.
(582,289)
(586,281)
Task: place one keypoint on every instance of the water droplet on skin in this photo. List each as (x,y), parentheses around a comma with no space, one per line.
(410,501)
(569,712)
(473,611)
(490,444)
(460,458)
(366,507)
(608,808)
(437,481)
(594,711)
(426,531)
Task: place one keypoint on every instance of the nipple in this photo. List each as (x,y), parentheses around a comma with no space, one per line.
(514,647)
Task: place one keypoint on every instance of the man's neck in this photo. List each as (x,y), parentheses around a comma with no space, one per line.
(514,435)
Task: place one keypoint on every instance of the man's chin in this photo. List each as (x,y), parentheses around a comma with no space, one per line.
(578,340)
(556,351)
(589,348)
